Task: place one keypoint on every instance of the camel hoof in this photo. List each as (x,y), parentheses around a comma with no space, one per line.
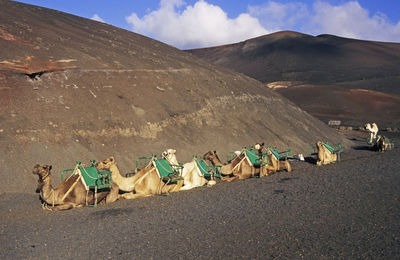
(211,183)
(47,207)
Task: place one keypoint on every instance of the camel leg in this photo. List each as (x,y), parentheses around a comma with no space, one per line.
(113,194)
(229,179)
(66,206)
(224,178)
(263,171)
(177,187)
(187,187)
(288,166)
(131,196)
(270,169)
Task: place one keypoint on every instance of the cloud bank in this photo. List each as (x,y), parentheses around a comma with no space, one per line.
(353,21)
(200,25)
(204,24)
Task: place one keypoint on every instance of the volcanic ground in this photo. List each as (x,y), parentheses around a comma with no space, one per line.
(346,210)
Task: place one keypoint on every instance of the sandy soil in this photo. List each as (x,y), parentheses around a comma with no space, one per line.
(345,210)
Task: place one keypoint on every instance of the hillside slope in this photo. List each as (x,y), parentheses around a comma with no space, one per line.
(327,61)
(75,89)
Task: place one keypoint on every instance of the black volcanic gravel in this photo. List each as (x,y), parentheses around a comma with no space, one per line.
(347,210)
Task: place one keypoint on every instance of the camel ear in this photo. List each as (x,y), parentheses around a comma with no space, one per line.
(50,167)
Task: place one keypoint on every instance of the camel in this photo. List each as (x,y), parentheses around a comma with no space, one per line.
(192,177)
(373,131)
(144,183)
(238,168)
(324,155)
(71,193)
(272,163)
(382,144)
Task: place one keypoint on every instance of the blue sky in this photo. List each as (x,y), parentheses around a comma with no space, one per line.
(202,23)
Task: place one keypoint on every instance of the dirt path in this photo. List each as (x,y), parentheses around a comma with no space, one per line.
(347,210)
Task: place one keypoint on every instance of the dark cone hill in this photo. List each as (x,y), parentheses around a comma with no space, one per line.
(328,76)
(75,89)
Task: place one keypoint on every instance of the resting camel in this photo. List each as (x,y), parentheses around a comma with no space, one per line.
(381,144)
(71,193)
(238,168)
(273,164)
(144,183)
(373,131)
(324,155)
(192,178)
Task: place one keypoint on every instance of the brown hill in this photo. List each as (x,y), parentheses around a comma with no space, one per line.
(325,60)
(75,89)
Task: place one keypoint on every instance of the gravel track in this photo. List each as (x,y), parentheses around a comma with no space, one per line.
(345,210)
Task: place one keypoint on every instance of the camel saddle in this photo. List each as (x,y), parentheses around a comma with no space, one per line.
(166,171)
(206,170)
(90,176)
(281,156)
(252,158)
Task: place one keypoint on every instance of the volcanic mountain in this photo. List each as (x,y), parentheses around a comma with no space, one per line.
(76,89)
(328,76)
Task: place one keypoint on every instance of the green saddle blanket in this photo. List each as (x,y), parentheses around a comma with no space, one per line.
(202,166)
(167,171)
(253,157)
(90,176)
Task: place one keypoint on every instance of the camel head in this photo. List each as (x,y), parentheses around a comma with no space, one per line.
(259,147)
(106,163)
(43,171)
(210,155)
(319,144)
(367,126)
(169,154)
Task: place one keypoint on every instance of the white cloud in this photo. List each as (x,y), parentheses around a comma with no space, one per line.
(352,20)
(200,25)
(204,24)
(96,17)
(349,19)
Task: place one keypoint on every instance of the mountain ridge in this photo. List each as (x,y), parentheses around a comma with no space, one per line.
(326,61)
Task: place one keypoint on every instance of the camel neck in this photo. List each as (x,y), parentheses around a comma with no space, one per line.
(124,183)
(47,191)
(216,161)
(116,175)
